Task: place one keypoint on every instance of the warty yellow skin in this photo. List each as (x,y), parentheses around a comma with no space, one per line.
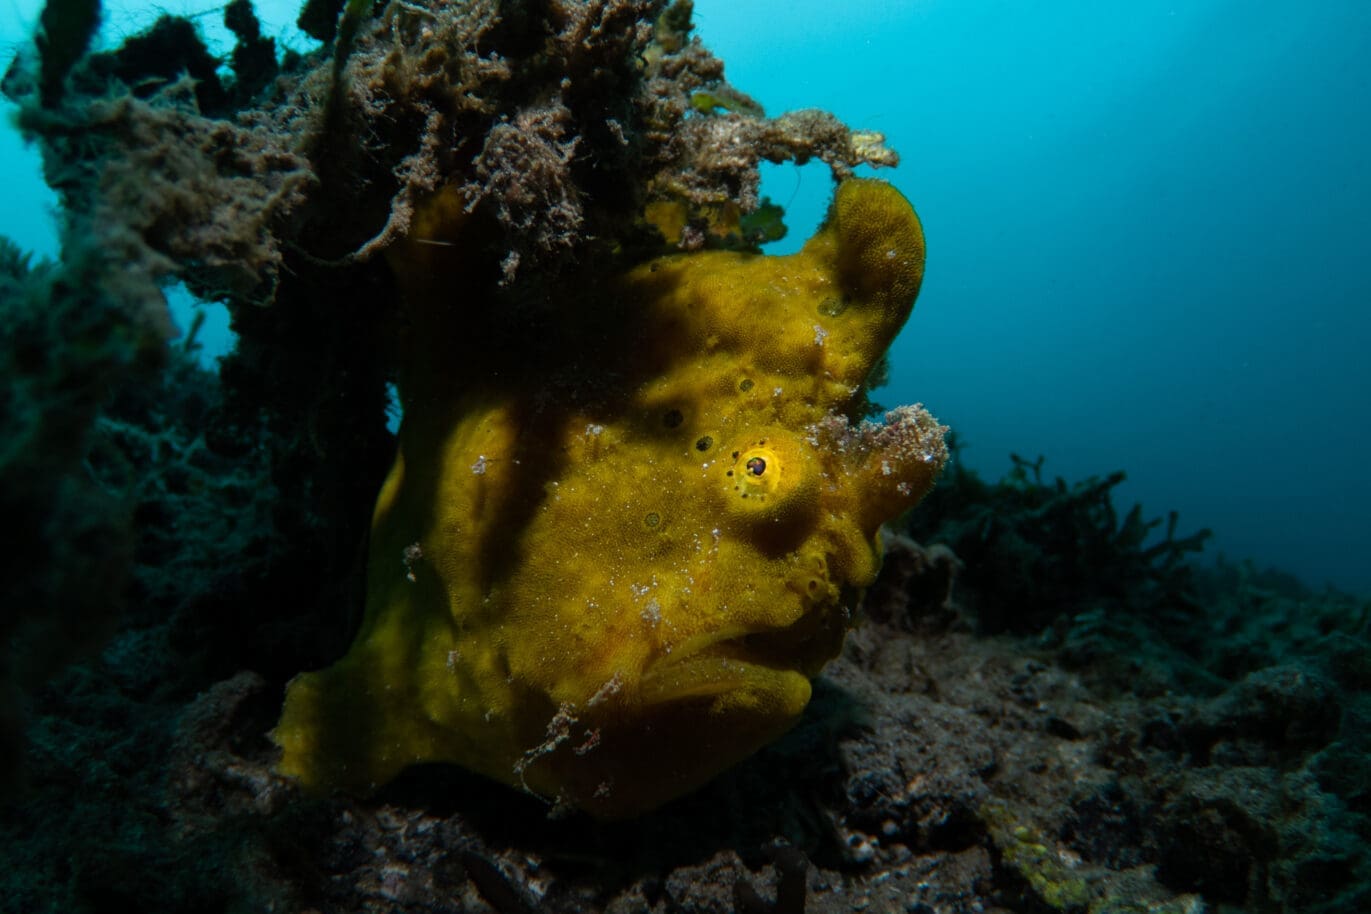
(609,559)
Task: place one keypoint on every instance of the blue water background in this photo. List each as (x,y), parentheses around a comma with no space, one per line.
(1149,230)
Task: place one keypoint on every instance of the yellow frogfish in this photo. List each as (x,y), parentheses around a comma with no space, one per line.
(614,550)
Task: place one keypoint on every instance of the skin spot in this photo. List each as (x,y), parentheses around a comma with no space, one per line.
(704,443)
(673,418)
(832,306)
(653,519)
(745,385)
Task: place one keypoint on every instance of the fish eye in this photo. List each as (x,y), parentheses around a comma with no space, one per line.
(773,481)
(759,471)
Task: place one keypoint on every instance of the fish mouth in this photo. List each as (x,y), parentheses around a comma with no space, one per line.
(774,662)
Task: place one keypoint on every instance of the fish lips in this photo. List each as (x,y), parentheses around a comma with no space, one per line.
(761,671)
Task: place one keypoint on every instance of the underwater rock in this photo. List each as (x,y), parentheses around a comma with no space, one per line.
(1272,712)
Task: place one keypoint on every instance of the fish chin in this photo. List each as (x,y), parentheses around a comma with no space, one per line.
(701,713)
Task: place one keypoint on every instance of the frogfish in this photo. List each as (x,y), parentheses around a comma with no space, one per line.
(614,549)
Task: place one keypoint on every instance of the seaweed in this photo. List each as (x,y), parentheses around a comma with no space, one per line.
(1045,551)
(75,332)
(65,30)
(254,56)
(319,18)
